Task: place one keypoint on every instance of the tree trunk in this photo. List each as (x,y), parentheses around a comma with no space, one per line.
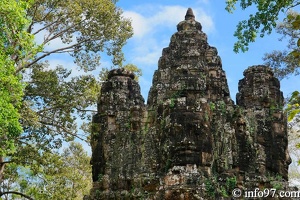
(2,164)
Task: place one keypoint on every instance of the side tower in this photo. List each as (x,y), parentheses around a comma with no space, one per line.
(115,140)
(262,133)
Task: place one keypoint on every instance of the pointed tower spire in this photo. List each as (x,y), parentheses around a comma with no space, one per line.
(189,23)
(189,14)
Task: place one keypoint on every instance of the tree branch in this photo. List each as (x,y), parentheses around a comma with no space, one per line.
(5,162)
(85,110)
(21,67)
(44,18)
(18,193)
(32,21)
(62,128)
(54,107)
(45,27)
(294,5)
(58,34)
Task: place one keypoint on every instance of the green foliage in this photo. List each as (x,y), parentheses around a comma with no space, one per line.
(54,99)
(216,188)
(129,67)
(52,102)
(276,181)
(286,62)
(172,104)
(230,184)
(60,176)
(277,186)
(133,68)
(85,27)
(210,187)
(176,95)
(100,177)
(222,107)
(294,20)
(260,23)
(168,165)
(14,42)
(293,106)
(212,106)
(223,192)
(11,91)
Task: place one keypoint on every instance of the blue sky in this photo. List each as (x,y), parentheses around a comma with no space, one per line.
(155,21)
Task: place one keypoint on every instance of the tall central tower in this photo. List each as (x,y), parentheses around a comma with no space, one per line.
(191,102)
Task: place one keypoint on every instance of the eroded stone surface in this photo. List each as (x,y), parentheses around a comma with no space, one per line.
(190,141)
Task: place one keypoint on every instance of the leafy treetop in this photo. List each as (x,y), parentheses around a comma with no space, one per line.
(260,23)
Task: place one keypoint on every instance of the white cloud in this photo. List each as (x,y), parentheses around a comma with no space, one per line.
(168,16)
(205,20)
(153,27)
(146,51)
(149,58)
(139,23)
(203,1)
(165,16)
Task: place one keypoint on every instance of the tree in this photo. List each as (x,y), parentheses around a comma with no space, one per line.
(293,106)
(283,61)
(40,139)
(11,90)
(260,23)
(65,175)
(85,27)
(294,20)
(286,62)
(54,99)
(10,86)
(129,67)
(12,23)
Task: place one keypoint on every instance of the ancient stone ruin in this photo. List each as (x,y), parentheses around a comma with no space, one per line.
(190,141)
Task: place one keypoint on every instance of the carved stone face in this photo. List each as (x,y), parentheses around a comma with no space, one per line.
(186,152)
(191,142)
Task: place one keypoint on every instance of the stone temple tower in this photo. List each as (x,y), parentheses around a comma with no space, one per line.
(190,141)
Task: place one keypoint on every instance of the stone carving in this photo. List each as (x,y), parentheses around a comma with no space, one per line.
(190,141)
